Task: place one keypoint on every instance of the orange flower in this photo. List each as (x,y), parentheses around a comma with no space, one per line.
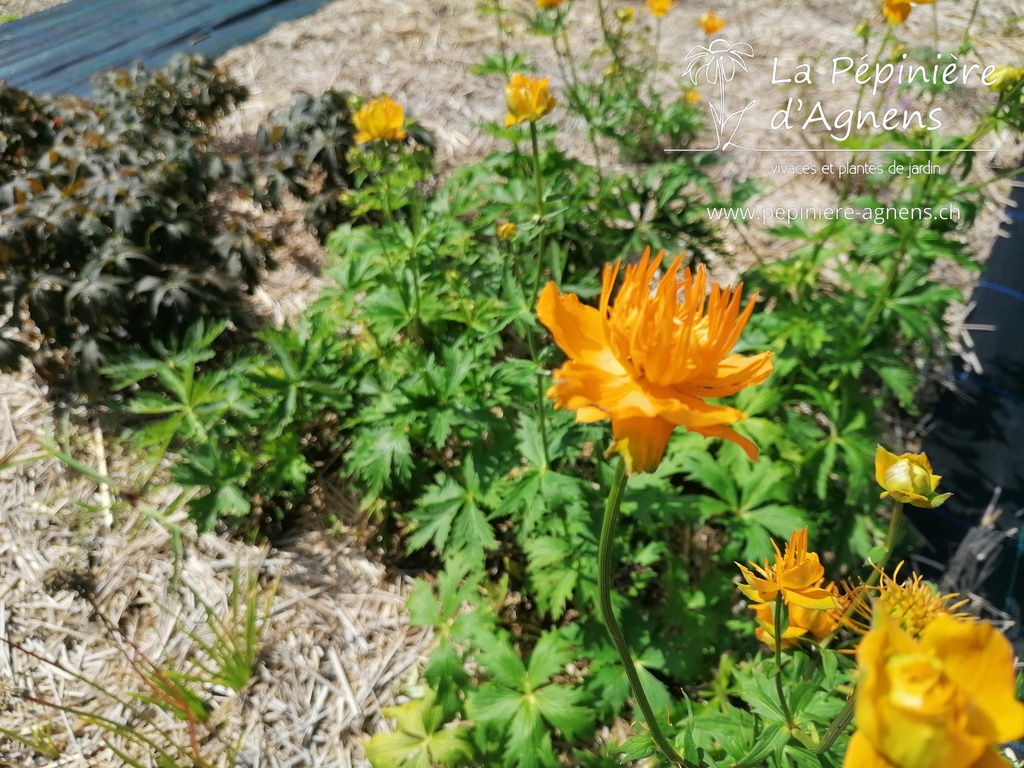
(942,701)
(796,575)
(908,479)
(896,11)
(380,120)
(765,631)
(527,98)
(549,3)
(660,8)
(711,22)
(819,623)
(650,362)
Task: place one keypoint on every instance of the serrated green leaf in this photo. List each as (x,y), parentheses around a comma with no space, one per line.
(771,739)
(419,739)
(551,653)
(563,708)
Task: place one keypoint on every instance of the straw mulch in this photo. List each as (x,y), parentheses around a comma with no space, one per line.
(90,585)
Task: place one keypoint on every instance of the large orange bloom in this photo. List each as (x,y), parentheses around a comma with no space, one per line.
(650,362)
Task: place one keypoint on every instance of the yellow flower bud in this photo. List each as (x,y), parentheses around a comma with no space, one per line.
(624,15)
(506,230)
(380,120)
(528,99)
(691,96)
(908,479)
(1004,78)
(549,3)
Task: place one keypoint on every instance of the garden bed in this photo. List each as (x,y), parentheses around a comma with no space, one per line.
(98,593)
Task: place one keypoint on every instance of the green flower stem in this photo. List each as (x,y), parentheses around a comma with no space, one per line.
(837,726)
(609,39)
(538,187)
(389,219)
(970,23)
(539,190)
(604,567)
(890,539)
(846,714)
(882,296)
(848,179)
(876,572)
(783,705)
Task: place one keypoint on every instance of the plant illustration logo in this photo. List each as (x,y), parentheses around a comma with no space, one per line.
(716,64)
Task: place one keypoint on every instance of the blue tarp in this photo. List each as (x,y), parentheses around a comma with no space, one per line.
(60,49)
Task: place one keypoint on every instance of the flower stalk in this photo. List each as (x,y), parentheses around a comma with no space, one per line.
(604,567)
(539,192)
(783,705)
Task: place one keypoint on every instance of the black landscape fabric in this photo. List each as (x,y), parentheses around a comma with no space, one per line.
(60,49)
(976,441)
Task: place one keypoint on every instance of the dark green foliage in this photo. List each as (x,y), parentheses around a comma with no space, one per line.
(27,126)
(305,151)
(111,235)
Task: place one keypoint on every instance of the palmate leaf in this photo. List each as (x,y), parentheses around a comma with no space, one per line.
(420,739)
(381,455)
(521,703)
(452,516)
(552,581)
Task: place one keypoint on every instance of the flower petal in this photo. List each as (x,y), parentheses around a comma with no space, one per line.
(730,434)
(811,597)
(883,461)
(578,384)
(979,659)
(641,441)
(576,328)
(860,754)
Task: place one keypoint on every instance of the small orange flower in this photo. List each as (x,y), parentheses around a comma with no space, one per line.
(941,701)
(528,99)
(660,8)
(691,96)
(711,22)
(908,479)
(796,575)
(896,11)
(819,623)
(549,3)
(380,120)
(651,361)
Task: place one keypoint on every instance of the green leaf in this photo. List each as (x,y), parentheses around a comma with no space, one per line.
(552,581)
(501,662)
(563,708)
(772,738)
(380,455)
(419,739)
(551,653)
